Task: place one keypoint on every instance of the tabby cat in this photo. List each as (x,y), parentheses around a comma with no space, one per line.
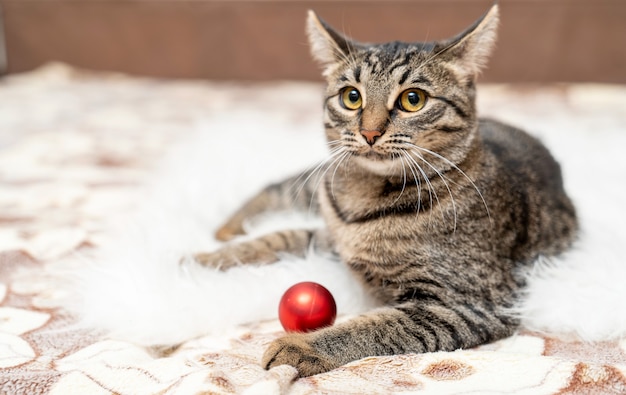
(436,210)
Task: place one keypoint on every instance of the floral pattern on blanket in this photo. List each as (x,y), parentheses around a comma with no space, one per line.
(67,161)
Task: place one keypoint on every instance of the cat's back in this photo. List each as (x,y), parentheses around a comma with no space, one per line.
(521,154)
(526,191)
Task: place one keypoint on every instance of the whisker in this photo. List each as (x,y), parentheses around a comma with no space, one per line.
(337,160)
(419,187)
(312,170)
(446,185)
(431,189)
(332,179)
(333,143)
(403,178)
(418,183)
(449,162)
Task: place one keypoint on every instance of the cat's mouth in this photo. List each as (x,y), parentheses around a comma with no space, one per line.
(371,154)
(376,154)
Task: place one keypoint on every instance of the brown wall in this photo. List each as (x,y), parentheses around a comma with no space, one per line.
(540,40)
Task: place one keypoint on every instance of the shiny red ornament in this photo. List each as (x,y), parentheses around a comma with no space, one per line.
(305,307)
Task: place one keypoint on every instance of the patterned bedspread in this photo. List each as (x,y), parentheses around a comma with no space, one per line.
(75,148)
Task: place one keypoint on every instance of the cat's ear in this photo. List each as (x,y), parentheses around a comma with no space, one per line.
(470,50)
(328,46)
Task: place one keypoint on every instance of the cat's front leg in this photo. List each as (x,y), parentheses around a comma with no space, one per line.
(328,348)
(265,249)
(410,328)
(234,225)
(294,193)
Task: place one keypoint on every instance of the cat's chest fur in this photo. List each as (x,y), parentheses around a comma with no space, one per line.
(384,220)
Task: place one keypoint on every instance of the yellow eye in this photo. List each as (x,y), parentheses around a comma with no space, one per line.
(350,98)
(412,100)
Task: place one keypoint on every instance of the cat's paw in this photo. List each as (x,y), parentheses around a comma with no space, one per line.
(217,260)
(229,231)
(251,252)
(296,350)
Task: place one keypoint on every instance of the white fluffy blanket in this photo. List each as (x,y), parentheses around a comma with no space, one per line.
(110,180)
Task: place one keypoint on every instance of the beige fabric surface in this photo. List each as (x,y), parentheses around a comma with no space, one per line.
(75,146)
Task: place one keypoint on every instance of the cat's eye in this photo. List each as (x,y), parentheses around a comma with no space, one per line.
(350,98)
(412,100)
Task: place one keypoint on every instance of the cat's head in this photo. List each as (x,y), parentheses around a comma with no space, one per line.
(389,104)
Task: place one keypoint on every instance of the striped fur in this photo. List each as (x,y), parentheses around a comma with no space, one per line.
(436,210)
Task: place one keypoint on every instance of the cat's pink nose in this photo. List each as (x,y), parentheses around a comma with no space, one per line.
(371,135)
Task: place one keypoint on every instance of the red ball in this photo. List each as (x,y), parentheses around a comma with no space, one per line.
(305,307)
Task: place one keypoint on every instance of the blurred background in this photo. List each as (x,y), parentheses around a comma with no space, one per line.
(259,40)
